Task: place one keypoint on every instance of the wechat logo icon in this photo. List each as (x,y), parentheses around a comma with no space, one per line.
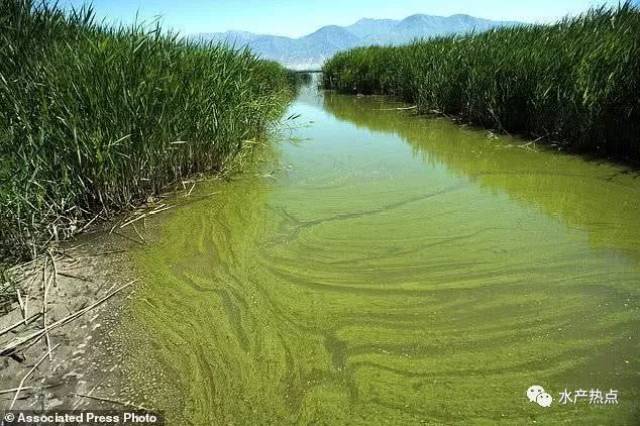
(537,394)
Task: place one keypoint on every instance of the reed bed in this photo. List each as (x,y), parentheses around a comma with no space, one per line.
(94,119)
(574,83)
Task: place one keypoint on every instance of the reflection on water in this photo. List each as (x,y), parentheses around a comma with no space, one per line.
(389,268)
(599,198)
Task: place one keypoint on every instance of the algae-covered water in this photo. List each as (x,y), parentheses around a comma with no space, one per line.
(375,267)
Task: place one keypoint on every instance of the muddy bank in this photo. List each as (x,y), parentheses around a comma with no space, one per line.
(60,333)
(68,339)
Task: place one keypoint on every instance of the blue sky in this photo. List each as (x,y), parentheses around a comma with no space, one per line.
(299,17)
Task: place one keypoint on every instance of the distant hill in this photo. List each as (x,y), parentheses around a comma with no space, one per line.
(310,51)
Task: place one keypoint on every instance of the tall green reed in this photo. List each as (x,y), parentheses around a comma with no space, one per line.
(574,83)
(93,119)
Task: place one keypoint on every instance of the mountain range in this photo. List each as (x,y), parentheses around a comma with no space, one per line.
(310,51)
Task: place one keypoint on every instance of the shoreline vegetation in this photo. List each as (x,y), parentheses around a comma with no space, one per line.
(574,83)
(96,119)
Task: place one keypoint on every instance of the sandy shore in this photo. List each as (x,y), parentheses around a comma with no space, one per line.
(58,335)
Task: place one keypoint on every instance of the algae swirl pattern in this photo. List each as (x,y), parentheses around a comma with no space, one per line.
(389,269)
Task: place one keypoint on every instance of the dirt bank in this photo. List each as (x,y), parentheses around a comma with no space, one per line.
(57,335)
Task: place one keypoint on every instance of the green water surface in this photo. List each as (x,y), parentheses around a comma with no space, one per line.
(381,268)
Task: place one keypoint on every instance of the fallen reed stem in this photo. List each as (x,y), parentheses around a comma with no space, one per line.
(21,341)
(113,401)
(26,376)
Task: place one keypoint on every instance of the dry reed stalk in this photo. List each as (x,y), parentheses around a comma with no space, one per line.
(26,376)
(21,341)
(45,289)
(113,401)
(20,323)
(23,305)
(139,234)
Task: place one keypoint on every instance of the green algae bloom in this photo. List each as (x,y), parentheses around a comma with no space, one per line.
(392,269)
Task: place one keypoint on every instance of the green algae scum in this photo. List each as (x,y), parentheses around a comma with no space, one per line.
(380,268)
